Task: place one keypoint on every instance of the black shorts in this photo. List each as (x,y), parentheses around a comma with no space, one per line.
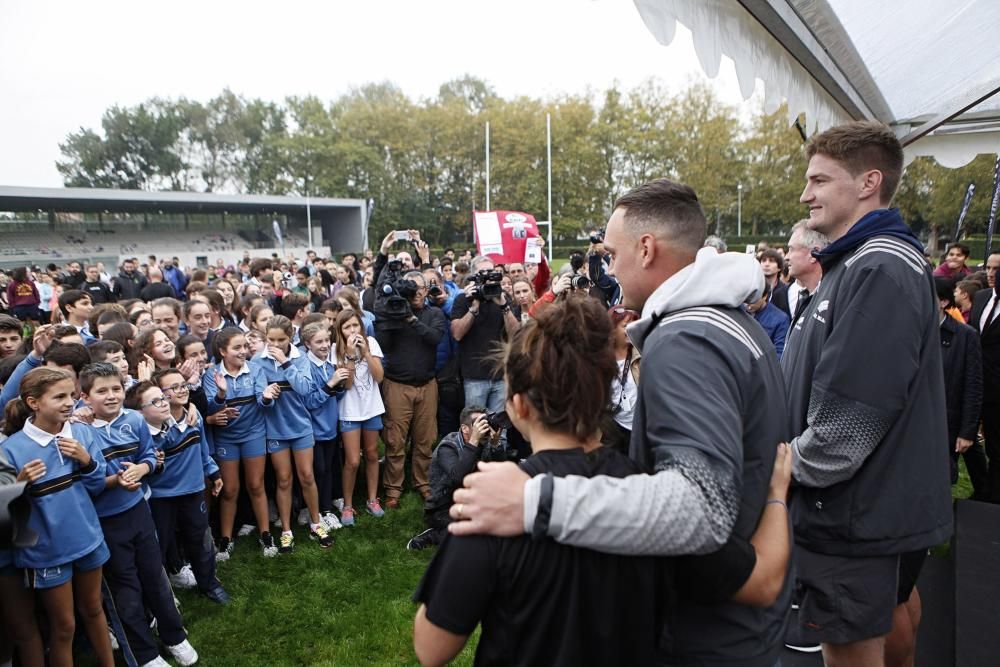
(845,600)
(910,565)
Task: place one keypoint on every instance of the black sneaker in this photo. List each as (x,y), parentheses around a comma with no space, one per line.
(427,538)
(286,543)
(225,549)
(267,545)
(321,535)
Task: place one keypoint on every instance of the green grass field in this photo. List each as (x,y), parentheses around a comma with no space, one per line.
(348,605)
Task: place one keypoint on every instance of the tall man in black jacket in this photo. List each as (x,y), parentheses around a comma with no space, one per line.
(863,370)
(129,282)
(963,391)
(409,389)
(984,318)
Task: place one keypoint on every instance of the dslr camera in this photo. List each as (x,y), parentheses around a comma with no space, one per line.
(487,283)
(597,237)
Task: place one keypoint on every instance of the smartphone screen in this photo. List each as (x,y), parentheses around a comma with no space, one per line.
(403,236)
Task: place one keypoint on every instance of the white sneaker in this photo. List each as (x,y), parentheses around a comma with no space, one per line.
(339,504)
(331,521)
(157,662)
(184,653)
(184,578)
(304,517)
(245,530)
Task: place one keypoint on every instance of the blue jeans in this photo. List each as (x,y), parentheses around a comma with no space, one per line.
(490,394)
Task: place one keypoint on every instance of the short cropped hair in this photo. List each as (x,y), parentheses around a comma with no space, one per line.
(667,208)
(862,146)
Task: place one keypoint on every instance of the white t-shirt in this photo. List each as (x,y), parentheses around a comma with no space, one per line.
(363,400)
(624,397)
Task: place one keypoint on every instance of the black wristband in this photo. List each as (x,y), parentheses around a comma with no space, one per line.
(541,528)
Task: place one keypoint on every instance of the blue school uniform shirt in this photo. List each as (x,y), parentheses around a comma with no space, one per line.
(290,417)
(186,458)
(324,409)
(244,391)
(124,438)
(62,509)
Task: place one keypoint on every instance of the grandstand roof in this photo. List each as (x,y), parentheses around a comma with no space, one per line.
(84,200)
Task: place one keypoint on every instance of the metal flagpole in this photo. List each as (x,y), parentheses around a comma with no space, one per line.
(487,165)
(309,223)
(548,158)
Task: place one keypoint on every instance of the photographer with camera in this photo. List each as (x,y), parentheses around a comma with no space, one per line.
(480,318)
(569,279)
(605,287)
(408,331)
(454,458)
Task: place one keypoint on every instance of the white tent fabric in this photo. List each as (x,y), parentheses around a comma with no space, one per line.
(903,63)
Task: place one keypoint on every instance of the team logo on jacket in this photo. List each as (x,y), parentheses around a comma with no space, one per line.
(126,430)
(821,308)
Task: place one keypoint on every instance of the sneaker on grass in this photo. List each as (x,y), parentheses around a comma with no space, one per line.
(267,545)
(427,538)
(375,508)
(156,662)
(184,653)
(319,533)
(331,521)
(183,578)
(225,549)
(286,543)
(347,516)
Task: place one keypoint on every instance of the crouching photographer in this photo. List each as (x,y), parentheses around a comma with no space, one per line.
(408,331)
(455,457)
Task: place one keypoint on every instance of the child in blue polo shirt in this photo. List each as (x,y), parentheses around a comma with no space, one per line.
(241,394)
(289,428)
(64,468)
(134,572)
(325,413)
(178,492)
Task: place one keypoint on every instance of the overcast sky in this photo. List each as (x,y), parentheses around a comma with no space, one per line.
(62,63)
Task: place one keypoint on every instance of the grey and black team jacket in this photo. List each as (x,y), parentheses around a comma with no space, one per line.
(866,396)
(709,416)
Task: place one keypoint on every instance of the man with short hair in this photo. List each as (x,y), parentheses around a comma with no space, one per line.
(155,288)
(95,287)
(129,283)
(803,268)
(710,413)
(479,324)
(866,400)
(983,318)
(953,267)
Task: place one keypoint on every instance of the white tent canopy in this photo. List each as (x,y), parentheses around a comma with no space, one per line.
(929,68)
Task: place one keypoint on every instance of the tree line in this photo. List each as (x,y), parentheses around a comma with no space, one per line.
(423,160)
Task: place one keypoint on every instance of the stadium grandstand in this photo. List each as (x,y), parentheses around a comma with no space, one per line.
(42,225)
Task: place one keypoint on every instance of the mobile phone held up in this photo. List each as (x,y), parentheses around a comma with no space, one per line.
(403,236)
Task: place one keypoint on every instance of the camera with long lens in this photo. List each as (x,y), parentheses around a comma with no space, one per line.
(487,283)
(580,282)
(433,291)
(597,237)
(498,421)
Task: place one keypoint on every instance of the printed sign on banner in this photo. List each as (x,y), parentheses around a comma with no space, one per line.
(503,235)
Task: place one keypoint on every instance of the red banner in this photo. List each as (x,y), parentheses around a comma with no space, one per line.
(503,236)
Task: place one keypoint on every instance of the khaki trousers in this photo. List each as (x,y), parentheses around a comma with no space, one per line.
(409,411)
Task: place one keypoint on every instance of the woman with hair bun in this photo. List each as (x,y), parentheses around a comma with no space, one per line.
(564,605)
